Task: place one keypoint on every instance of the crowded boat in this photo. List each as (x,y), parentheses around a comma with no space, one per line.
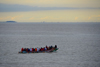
(39,50)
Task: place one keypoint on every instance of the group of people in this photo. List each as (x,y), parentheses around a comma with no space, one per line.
(38,49)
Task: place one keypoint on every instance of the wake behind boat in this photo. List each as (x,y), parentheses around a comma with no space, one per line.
(39,50)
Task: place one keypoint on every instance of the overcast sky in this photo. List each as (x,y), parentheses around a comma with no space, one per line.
(50,10)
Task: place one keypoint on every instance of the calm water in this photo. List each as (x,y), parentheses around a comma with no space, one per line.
(78,43)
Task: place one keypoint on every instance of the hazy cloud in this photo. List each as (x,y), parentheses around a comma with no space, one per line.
(94,16)
(89,18)
(31,18)
(76,18)
(44,18)
(11,17)
(21,8)
(55,3)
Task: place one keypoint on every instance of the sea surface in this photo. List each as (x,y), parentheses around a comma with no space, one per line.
(78,43)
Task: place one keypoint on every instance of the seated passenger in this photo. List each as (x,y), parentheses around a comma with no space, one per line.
(30,49)
(35,49)
(38,49)
(44,49)
(47,47)
(41,49)
(55,46)
(26,49)
(22,49)
(50,47)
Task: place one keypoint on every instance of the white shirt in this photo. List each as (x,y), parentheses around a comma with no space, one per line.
(38,49)
(30,49)
(45,48)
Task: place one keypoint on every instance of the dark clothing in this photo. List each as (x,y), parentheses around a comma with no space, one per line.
(50,47)
(28,49)
(47,47)
(55,46)
(41,49)
(24,49)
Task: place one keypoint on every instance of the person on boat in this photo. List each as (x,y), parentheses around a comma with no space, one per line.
(35,49)
(50,47)
(30,49)
(55,46)
(47,47)
(22,49)
(41,49)
(26,50)
(38,49)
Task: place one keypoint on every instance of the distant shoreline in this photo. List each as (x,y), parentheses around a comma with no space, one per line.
(11,21)
(44,22)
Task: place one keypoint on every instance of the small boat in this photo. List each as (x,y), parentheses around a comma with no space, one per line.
(47,51)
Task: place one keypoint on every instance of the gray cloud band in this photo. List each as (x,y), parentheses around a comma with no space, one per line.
(21,8)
